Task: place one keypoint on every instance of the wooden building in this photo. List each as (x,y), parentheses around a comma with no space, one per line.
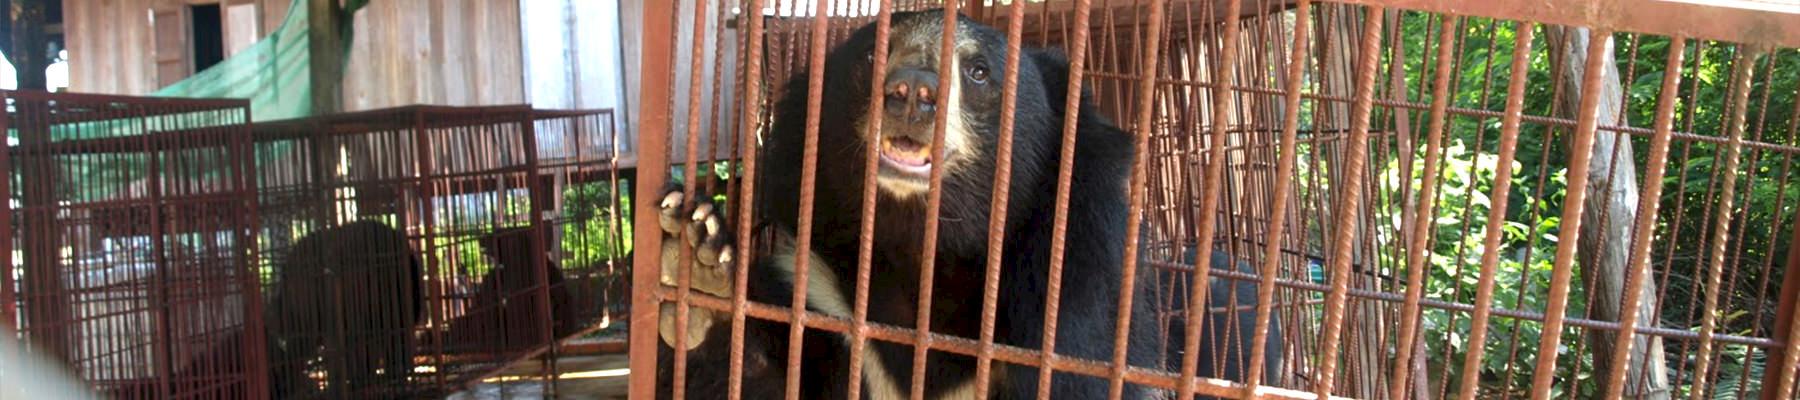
(549,53)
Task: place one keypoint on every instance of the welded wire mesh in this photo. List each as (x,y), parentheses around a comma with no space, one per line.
(1447,199)
(172,249)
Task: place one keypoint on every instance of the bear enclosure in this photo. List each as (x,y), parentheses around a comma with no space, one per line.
(171,248)
(1438,199)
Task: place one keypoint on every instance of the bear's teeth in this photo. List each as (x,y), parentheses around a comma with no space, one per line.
(904,150)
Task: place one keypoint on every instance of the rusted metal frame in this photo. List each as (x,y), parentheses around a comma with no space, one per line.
(1557,53)
(1424,214)
(536,195)
(1734,263)
(996,245)
(809,168)
(1762,288)
(1781,378)
(1682,135)
(254,348)
(1271,262)
(654,131)
(1710,197)
(1740,91)
(1343,238)
(752,107)
(1638,263)
(933,203)
(1367,294)
(718,86)
(865,249)
(1707,20)
(1491,245)
(424,166)
(9,303)
(742,83)
(1581,145)
(1146,112)
(159,285)
(1078,49)
(684,272)
(1153,377)
(1783,375)
(1681,195)
(1203,221)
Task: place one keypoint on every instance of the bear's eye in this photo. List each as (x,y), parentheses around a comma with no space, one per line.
(978,73)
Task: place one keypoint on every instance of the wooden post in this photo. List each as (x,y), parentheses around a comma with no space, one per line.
(326,24)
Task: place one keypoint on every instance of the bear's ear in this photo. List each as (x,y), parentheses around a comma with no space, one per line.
(1053,72)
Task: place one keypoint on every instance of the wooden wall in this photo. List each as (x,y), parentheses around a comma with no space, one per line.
(444,52)
(113,47)
(447,52)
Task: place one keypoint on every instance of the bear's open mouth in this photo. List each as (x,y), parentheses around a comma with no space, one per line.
(906,155)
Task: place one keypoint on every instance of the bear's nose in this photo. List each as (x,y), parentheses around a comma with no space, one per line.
(912,94)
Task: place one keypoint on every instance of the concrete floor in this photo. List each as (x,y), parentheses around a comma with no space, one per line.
(581,377)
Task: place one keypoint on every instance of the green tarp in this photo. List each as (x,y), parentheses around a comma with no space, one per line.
(273,73)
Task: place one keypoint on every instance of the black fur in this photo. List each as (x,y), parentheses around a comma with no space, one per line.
(351,293)
(1094,252)
(506,310)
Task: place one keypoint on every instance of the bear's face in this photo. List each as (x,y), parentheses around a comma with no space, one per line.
(913,93)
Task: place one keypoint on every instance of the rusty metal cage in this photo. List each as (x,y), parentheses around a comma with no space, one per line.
(478,195)
(134,277)
(1437,199)
(168,248)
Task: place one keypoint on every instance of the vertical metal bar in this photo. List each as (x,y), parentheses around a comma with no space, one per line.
(1146,93)
(1344,238)
(159,248)
(255,343)
(815,93)
(653,147)
(865,249)
(1078,49)
(1779,380)
(539,241)
(1740,93)
(933,203)
(9,303)
(996,245)
(1643,228)
(1265,288)
(1502,186)
(1580,153)
(1205,223)
(1424,216)
(752,113)
(684,273)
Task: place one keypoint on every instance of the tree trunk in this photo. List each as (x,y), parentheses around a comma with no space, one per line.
(1613,188)
(30,52)
(327,27)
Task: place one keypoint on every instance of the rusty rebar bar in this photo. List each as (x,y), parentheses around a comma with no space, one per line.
(1078,50)
(1581,152)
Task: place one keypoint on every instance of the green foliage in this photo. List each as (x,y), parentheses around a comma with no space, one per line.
(1762,211)
(599,230)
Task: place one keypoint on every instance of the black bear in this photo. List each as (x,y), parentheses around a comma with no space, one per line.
(506,311)
(347,297)
(914,92)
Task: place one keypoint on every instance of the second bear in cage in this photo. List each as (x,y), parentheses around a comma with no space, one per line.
(914,92)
